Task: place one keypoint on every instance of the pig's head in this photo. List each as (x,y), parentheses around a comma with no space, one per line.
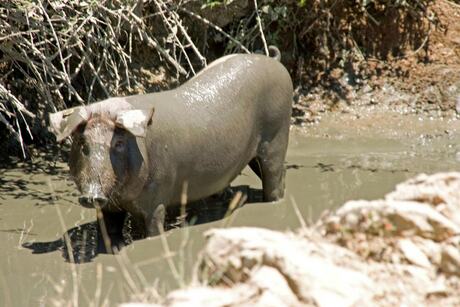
(106,162)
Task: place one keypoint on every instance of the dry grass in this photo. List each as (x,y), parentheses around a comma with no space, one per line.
(54,54)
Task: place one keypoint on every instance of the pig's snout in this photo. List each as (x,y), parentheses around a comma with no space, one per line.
(91,201)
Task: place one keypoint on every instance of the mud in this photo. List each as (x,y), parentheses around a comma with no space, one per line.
(355,155)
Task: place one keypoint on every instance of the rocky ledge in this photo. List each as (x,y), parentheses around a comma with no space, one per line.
(403,249)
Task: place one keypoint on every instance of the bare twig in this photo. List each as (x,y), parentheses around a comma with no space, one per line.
(169,260)
(452,3)
(178,22)
(259,23)
(173,31)
(303,224)
(18,105)
(58,44)
(151,41)
(217,28)
(68,244)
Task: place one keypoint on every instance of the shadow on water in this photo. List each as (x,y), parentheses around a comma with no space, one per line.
(24,176)
(83,243)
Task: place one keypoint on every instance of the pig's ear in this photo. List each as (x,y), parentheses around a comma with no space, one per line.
(135,121)
(63,123)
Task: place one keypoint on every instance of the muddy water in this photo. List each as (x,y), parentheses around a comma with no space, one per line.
(343,158)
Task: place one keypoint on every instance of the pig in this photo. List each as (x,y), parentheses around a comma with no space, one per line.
(135,154)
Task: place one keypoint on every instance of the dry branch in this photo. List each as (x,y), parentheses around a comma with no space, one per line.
(73,49)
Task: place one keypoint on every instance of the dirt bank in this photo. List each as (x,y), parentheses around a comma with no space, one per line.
(400,250)
(422,80)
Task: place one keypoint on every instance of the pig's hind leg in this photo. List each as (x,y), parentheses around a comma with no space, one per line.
(269,166)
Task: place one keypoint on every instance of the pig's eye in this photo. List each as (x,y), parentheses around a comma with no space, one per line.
(119,146)
(85,149)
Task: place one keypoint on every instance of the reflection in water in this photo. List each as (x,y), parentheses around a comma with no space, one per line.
(374,169)
(325,167)
(331,168)
(294,166)
(85,242)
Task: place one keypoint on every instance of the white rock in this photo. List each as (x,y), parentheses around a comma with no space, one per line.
(211,297)
(440,190)
(413,254)
(430,248)
(450,260)
(406,216)
(309,271)
(275,290)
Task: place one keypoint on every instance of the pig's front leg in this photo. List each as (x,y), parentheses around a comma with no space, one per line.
(150,210)
(149,222)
